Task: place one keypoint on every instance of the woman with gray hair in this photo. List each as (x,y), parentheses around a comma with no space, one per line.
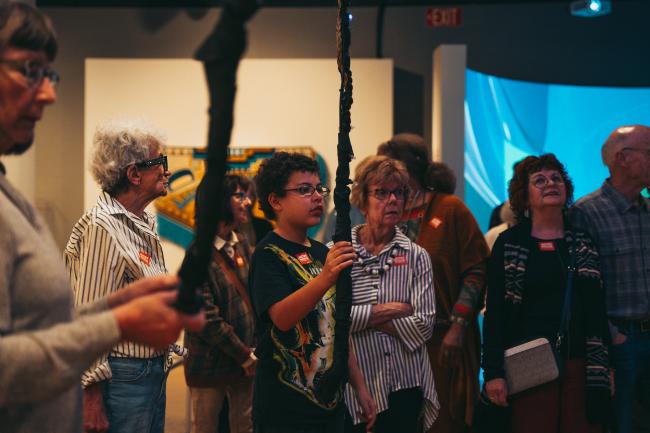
(393,305)
(114,243)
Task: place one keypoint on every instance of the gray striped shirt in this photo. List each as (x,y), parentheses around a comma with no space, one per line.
(109,248)
(392,363)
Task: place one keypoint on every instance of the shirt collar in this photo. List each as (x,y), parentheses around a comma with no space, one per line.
(112,206)
(219,242)
(400,240)
(620,201)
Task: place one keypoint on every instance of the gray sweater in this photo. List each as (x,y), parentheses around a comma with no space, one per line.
(44,348)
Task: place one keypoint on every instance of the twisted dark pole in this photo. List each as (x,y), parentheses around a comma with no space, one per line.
(220,54)
(338,374)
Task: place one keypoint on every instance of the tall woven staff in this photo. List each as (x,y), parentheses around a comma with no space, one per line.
(220,54)
(338,374)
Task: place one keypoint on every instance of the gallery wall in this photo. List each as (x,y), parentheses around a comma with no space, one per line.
(531,42)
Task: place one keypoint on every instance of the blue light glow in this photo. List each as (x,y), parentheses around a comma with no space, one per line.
(595,5)
(505,120)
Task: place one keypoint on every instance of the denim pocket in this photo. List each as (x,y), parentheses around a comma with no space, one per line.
(128,370)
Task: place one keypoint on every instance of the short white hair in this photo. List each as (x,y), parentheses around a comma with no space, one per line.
(118,144)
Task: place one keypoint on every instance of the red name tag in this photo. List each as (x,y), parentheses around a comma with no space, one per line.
(400,260)
(239,261)
(303,258)
(145,258)
(546,246)
(435,222)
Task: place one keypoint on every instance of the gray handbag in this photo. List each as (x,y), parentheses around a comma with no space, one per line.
(537,361)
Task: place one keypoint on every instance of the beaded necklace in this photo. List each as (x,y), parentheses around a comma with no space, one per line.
(365,264)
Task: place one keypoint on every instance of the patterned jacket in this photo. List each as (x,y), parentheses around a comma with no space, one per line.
(217,352)
(506,289)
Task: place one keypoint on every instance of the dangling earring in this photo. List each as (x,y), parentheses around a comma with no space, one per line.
(526,213)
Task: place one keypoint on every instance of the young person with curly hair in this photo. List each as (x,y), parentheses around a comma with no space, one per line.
(292,287)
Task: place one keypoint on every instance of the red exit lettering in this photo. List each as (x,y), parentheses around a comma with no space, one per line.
(444,17)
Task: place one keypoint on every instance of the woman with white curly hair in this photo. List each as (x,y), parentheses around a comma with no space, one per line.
(114,243)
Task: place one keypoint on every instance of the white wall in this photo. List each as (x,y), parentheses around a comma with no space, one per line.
(280,102)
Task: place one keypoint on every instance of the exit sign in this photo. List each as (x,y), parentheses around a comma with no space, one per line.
(444,17)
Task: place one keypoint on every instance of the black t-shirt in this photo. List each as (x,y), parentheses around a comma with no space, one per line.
(291,362)
(543,300)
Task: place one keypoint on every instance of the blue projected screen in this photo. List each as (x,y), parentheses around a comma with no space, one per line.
(506,120)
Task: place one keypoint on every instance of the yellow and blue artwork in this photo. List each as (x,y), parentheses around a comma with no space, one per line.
(175,211)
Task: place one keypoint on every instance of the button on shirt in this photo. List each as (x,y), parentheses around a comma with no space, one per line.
(621,230)
(109,248)
(391,363)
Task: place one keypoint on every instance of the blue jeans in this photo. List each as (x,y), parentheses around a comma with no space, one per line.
(631,361)
(135,397)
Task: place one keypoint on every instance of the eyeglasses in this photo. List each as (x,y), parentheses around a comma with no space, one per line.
(33,71)
(161,160)
(241,196)
(309,190)
(646,152)
(542,181)
(383,194)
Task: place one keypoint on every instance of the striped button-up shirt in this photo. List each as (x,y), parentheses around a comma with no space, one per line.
(109,248)
(393,363)
(621,231)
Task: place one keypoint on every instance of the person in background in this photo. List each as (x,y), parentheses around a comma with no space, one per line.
(113,243)
(495,216)
(617,216)
(393,306)
(527,279)
(44,345)
(508,217)
(441,223)
(220,361)
(293,292)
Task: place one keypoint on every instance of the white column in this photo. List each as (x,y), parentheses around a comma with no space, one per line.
(448,123)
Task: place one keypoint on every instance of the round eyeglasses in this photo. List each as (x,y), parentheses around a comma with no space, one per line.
(542,181)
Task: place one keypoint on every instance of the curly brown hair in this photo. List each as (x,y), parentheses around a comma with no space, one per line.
(518,185)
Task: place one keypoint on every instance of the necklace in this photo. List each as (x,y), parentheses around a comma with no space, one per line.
(377,270)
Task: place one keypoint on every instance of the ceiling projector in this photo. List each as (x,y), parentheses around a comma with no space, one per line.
(590,8)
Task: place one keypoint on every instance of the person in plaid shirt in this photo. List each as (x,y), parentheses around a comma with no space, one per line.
(618,218)
(220,361)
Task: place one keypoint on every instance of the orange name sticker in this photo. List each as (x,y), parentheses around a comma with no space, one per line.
(239,261)
(400,260)
(303,258)
(145,258)
(435,222)
(546,246)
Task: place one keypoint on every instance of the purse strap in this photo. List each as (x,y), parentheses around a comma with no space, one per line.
(566,309)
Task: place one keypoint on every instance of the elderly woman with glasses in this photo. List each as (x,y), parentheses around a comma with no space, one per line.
(114,243)
(528,276)
(393,304)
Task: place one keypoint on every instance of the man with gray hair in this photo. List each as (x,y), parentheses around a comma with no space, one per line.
(618,218)
(113,243)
